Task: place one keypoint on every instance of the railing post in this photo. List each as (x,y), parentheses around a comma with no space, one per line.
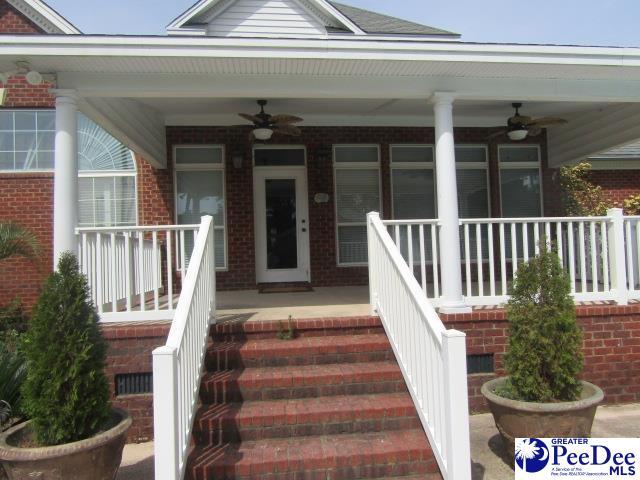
(212,262)
(373,279)
(165,414)
(617,259)
(458,445)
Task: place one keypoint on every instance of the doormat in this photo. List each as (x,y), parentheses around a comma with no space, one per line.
(284,287)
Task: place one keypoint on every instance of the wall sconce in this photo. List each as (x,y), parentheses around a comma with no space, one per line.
(237,161)
(321,198)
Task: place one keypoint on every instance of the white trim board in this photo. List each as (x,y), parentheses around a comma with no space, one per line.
(44,16)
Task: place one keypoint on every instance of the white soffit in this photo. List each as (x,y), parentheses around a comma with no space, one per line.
(44,16)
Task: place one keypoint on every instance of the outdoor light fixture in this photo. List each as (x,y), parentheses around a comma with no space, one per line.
(263,133)
(517,135)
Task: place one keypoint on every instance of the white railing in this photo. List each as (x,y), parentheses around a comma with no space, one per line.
(177,366)
(432,359)
(592,250)
(135,272)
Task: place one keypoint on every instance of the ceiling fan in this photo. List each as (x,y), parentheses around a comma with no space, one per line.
(266,125)
(520,127)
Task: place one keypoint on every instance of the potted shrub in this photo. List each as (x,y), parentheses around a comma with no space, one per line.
(542,396)
(73,433)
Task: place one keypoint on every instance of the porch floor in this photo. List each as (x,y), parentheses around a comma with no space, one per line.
(322,302)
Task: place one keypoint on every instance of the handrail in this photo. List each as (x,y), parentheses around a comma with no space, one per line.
(431,358)
(177,366)
(138,228)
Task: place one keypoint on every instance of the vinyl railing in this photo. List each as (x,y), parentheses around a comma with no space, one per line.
(432,359)
(592,250)
(135,272)
(177,366)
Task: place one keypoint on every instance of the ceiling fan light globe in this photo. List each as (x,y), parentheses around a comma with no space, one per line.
(263,133)
(517,135)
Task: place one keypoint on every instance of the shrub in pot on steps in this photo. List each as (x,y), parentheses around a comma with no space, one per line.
(73,433)
(542,396)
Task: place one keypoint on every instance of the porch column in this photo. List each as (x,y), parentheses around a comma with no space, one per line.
(65,190)
(452,301)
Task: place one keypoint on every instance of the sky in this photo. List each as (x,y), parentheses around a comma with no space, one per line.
(565,22)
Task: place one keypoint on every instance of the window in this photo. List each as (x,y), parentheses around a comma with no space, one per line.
(471,174)
(27,140)
(357,192)
(107,178)
(520,189)
(200,190)
(269,156)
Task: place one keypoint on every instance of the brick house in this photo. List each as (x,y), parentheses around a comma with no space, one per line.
(381,102)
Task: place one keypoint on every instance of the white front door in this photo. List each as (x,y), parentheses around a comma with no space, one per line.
(282,224)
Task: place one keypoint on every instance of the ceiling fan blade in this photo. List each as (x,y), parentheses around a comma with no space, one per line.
(547,121)
(520,120)
(251,118)
(281,119)
(287,130)
(497,134)
(534,131)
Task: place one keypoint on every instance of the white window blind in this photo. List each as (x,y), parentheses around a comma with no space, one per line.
(357,192)
(200,190)
(520,186)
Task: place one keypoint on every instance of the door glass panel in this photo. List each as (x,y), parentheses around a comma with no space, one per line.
(282,241)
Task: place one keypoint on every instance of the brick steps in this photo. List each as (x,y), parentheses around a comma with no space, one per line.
(357,456)
(235,422)
(301,382)
(330,404)
(300,351)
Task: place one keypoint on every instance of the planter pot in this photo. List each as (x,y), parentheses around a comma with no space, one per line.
(516,419)
(96,458)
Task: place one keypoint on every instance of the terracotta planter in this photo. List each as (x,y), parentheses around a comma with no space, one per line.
(541,420)
(96,458)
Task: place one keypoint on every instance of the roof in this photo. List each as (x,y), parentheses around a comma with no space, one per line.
(377,23)
(629,151)
(44,16)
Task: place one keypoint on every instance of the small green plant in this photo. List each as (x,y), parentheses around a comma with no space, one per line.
(288,332)
(13,323)
(581,197)
(66,393)
(12,374)
(632,205)
(16,240)
(544,356)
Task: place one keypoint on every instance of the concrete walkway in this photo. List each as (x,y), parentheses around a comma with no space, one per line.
(486,447)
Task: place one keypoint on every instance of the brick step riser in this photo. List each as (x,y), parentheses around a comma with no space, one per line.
(230,432)
(234,359)
(428,468)
(333,332)
(222,392)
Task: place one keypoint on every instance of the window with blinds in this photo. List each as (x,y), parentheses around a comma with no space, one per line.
(520,185)
(200,190)
(357,192)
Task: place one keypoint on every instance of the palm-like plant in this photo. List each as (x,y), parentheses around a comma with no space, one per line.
(17,240)
(12,375)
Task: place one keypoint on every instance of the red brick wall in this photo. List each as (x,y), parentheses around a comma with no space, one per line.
(617,185)
(156,190)
(12,21)
(611,348)
(130,348)
(27,199)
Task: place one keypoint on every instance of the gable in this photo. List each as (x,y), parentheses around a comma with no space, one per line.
(262,18)
(32,16)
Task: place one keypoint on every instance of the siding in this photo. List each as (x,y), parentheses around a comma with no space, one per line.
(265,17)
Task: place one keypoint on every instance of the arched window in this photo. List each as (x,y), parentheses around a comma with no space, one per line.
(107,178)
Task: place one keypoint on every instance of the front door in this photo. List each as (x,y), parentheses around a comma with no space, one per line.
(282,224)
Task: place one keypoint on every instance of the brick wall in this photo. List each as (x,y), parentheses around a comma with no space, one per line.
(611,348)
(130,348)
(12,21)
(617,185)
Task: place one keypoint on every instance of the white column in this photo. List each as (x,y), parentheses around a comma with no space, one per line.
(451,301)
(65,191)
